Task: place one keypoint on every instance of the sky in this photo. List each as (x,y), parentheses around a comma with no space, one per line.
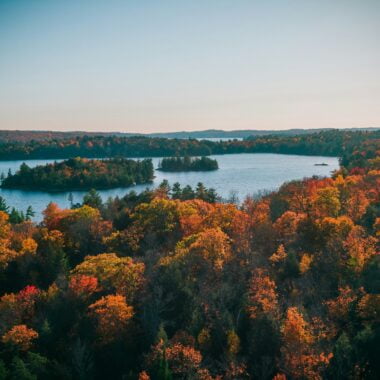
(162,66)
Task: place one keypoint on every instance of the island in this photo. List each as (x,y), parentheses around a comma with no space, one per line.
(81,174)
(186,164)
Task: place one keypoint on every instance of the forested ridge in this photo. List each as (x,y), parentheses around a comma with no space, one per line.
(172,284)
(81,173)
(325,143)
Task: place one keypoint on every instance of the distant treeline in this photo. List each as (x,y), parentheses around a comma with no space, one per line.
(7,136)
(185,164)
(326,143)
(79,173)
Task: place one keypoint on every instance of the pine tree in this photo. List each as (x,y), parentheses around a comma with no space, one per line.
(3,205)
(29,213)
(93,199)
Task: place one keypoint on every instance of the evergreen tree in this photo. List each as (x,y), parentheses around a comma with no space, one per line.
(3,205)
(29,213)
(200,191)
(16,217)
(176,191)
(93,199)
(164,187)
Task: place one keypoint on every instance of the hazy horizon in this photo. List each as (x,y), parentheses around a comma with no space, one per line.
(173,66)
(185,131)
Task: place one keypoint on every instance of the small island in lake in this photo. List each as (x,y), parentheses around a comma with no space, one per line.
(186,164)
(81,174)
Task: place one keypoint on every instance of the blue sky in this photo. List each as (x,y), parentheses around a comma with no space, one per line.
(149,66)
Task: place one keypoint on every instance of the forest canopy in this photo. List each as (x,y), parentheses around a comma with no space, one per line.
(81,173)
(172,283)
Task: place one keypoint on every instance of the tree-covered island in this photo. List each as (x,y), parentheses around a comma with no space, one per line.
(186,164)
(81,173)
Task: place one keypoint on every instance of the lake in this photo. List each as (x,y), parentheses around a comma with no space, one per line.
(242,174)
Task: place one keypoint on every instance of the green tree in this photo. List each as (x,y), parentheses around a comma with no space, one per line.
(164,188)
(3,205)
(176,191)
(93,199)
(16,217)
(29,213)
(187,193)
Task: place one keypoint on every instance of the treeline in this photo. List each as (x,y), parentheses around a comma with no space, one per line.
(16,216)
(101,147)
(7,136)
(168,284)
(326,143)
(185,164)
(186,193)
(81,173)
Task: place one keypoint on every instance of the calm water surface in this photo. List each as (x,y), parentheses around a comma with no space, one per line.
(243,174)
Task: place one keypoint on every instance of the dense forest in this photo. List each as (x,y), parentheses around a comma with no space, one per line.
(81,173)
(325,143)
(173,284)
(185,164)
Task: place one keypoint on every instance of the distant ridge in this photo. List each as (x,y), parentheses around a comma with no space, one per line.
(243,133)
(24,135)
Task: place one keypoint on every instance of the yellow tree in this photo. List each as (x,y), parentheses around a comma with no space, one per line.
(210,246)
(327,202)
(113,273)
(359,248)
(112,314)
(6,253)
(159,216)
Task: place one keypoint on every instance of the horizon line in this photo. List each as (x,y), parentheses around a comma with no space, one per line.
(187,131)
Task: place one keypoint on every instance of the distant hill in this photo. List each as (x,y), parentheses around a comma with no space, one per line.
(25,136)
(217,133)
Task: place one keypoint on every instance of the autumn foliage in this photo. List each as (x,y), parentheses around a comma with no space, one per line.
(112,314)
(174,284)
(20,336)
